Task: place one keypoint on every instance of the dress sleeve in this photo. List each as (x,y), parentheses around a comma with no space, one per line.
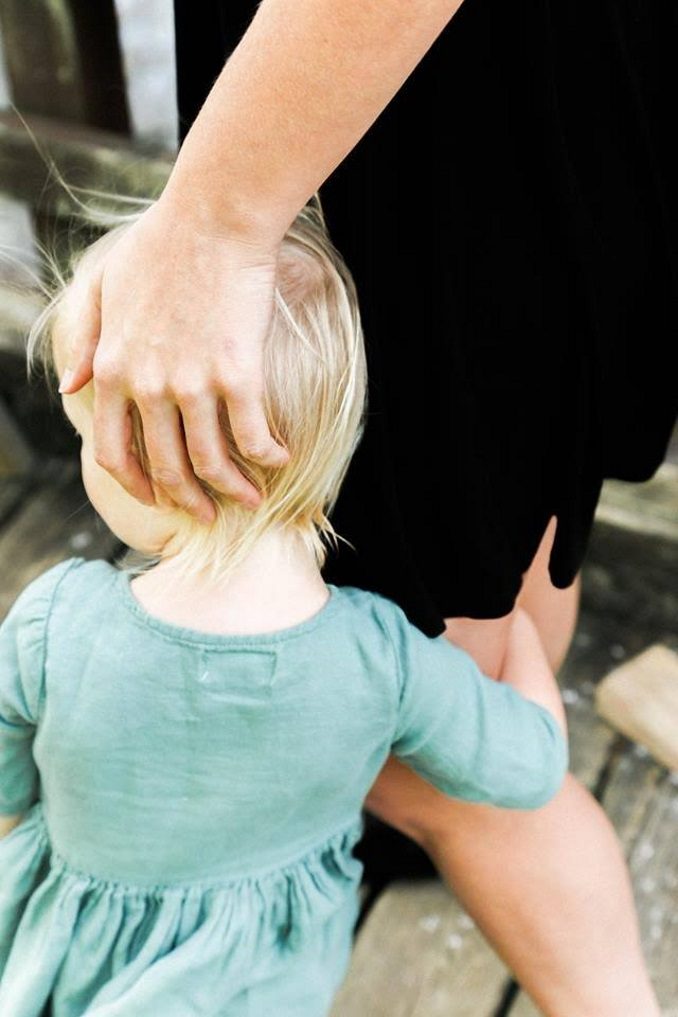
(470,736)
(22,655)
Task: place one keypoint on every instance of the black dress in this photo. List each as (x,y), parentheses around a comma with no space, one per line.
(511,223)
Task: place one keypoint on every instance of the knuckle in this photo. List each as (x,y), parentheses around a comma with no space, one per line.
(189,499)
(107,373)
(237,381)
(168,476)
(148,392)
(209,471)
(233,387)
(190,393)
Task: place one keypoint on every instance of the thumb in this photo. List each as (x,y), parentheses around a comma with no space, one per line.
(86,329)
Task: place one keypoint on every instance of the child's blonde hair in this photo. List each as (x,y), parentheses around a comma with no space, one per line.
(314,390)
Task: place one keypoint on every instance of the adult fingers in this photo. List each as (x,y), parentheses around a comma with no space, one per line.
(171,471)
(112,437)
(208,450)
(250,428)
(79,362)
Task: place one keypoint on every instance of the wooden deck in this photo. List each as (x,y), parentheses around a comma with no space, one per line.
(417,953)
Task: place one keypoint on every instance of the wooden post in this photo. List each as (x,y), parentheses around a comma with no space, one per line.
(63,60)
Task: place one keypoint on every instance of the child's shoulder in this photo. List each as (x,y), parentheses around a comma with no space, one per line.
(77,568)
(411,647)
(366,601)
(23,631)
(39,594)
(382,612)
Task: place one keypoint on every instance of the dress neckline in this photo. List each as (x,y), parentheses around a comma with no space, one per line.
(182,633)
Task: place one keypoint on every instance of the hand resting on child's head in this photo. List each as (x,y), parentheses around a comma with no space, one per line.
(188,749)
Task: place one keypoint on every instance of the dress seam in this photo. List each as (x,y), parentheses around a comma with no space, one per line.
(71,563)
(277,869)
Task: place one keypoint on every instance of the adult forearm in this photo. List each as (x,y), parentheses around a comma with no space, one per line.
(304,84)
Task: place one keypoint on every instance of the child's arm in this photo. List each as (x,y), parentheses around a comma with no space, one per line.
(22,670)
(469,735)
(527,669)
(21,667)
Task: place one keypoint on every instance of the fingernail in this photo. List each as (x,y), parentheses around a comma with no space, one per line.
(66,380)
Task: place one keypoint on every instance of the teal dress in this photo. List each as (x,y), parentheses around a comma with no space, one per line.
(191,800)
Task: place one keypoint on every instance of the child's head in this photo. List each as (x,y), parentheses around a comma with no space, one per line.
(314,393)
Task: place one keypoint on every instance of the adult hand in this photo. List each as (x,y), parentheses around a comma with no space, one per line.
(173,320)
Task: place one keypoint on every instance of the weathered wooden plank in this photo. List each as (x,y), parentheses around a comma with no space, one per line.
(18,255)
(85,157)
(590,738)
(642,802)
(640,699)
(420,955)
(650,508)
(56,522)
(63,59)
(631,583)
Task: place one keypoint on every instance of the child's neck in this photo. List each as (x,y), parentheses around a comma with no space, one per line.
(277,586)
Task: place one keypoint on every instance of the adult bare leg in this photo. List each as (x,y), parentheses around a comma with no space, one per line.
(553,611)
(549,888)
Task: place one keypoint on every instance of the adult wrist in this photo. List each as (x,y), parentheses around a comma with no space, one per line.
(227,214)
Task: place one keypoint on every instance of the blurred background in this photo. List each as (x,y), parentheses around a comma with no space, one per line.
(90,84)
